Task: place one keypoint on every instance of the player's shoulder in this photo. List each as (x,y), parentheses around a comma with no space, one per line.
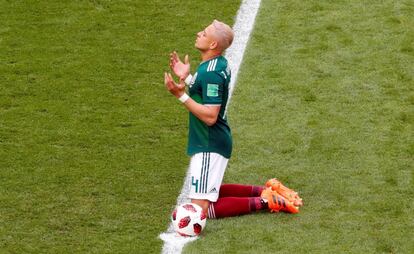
(216,69)
(216,64)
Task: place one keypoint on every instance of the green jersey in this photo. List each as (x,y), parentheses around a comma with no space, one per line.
(210,86)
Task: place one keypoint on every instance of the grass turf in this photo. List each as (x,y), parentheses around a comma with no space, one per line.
(92,146)
(89,136)
(324,101)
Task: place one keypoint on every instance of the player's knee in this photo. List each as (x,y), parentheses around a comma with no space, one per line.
(203,203)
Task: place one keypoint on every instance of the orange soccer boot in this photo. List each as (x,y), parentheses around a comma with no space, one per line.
(277,202)
(287,193)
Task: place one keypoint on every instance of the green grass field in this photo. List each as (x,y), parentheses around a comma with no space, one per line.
(92,146)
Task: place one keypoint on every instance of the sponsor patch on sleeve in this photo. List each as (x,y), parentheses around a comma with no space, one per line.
(212,90)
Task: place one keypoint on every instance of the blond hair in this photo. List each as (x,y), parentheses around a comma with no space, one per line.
(224,34)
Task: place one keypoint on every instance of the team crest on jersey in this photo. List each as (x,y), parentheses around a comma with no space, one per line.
(193,80)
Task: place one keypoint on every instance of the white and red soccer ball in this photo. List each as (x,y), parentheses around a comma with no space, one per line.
(188,219)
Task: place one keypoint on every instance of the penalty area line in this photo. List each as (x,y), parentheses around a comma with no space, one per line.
(246,16)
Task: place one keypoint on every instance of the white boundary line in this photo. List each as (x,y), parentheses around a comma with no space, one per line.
(173,243)
(243,27)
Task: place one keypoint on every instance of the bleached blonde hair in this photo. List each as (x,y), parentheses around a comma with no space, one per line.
(224,34)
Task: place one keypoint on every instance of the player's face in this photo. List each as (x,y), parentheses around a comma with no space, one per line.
(205,38)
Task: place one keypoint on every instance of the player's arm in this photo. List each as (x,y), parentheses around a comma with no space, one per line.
(181,69)
(207,114)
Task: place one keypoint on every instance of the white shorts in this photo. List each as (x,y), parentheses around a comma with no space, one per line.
(206,175)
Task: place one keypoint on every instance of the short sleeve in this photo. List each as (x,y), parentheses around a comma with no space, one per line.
(212,85)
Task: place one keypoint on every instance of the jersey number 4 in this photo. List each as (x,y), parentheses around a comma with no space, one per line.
(195,184)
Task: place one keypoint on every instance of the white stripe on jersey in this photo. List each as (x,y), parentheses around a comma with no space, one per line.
(212,65)
(208,67)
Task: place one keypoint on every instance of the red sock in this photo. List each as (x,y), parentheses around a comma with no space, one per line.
(239,190)
(234,206)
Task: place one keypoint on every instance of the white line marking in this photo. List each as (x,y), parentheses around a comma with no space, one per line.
(173,243)
(242,29)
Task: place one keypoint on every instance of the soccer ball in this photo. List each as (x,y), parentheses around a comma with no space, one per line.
(188,219)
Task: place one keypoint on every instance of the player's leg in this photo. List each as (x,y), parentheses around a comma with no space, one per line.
(240,190)
(207,171)
(203,203)
(206,174)
(236,199)
(235,206)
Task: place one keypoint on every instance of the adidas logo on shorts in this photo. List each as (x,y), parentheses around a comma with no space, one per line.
(213,190)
